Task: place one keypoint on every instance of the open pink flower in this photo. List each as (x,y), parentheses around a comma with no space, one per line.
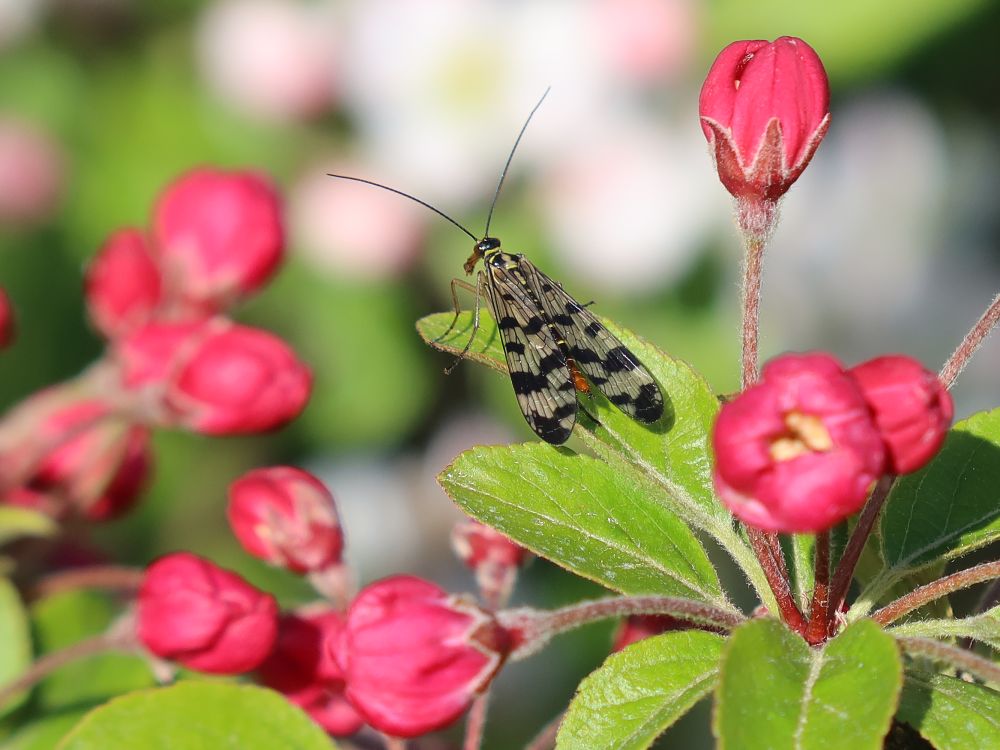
(764,108)
(206,618)
(912,409)
(414,657)
(799,451)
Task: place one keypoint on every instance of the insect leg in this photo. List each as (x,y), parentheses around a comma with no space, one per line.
(478,289)
(454,299)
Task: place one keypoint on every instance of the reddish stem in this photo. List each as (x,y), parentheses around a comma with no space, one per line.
(532,629)
(546,739)
(476,722)
(958,657)
(935,590)
(844,574)
(972,341)
(113,640)
(114,577)
(752,270)
(773,563)
(819,624)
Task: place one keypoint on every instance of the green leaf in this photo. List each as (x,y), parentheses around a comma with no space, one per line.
(16,523)
(571,509)
(15,639)
(64,619)
(946,509)
(45,733)
(486,349)
(637,693)
(951,714)
(672,459)
(198,716)
(776,692)
(984,627)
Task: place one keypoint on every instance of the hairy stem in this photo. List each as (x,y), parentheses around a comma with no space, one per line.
(752,270)
(819,617)
(113,640)
(972,341)
(533,629)
(772,560)
(958,657)
(114,577)
(476,722)
(935,590)
(546,739)
(844,574)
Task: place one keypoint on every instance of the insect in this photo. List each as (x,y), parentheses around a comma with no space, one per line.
(554,346)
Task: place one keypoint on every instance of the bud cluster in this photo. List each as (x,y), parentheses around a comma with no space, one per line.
(173,359)
(402,655)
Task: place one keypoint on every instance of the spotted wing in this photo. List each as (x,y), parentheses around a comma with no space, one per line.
(538,369)
(609,364)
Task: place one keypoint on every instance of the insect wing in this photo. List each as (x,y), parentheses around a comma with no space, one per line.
(610,365)
(539,372)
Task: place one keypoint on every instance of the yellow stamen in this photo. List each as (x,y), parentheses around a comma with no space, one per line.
(806,434)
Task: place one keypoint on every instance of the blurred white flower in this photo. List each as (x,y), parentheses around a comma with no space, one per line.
(351,229)
(18,18)
(31,172)
(272,59)
(646,41)
(853,248)
(440,94)
(631,204)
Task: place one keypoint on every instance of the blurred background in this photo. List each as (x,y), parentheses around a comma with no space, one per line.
(889,241)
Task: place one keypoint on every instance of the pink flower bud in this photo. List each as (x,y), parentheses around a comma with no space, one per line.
(206,618)
(477,544)
(639,627)
(301,666)
(764,107)
(912,409)
(122,284)
(7,327)
(414,657)
(75,456)
(215,377)
(799,451)
(219,236)
(287,517)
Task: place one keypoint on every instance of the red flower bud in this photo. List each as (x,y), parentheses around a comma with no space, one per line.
(635,628)
(206,618)
(219,235)
(494,558)
(912,409)
(122,284)
(6,320)
(215,377)
(764,108)
(74,455)
(414,657)
(477,544)
(287,517)
(799,451)
(301,666)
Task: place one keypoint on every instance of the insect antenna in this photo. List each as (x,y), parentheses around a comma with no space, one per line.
(413,198)
(503,174)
